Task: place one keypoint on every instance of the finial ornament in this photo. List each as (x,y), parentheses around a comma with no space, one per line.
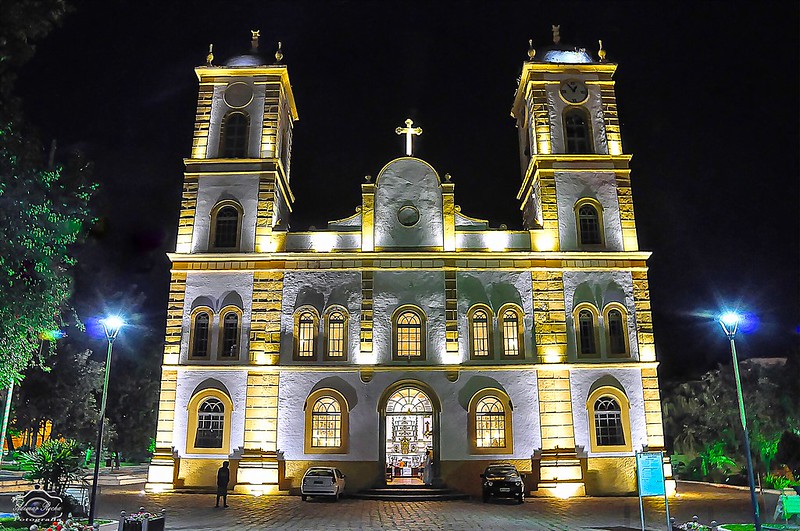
(531,50)
(254,35)
(601,52)
(279,52)
(368,178)
(409,132)
(556,34)
(447,177)
(210,56)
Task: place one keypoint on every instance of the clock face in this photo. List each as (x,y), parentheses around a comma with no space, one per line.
(573,91)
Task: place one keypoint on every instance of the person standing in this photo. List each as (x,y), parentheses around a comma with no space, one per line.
(223,478)
(427,468)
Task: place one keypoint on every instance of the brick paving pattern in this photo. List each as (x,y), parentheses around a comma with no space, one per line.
(196,512)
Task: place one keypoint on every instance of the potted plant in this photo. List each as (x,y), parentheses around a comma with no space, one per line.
(142,521)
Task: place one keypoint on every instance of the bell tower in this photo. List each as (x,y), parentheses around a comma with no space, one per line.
(241,152)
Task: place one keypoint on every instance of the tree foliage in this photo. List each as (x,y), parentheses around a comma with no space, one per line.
(43,208)
(702,420)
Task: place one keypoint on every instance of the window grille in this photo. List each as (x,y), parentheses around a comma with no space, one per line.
(589,225)
(608,422)
(305,335)
(226,228)
(586,332)
(409,335)
(510,333)
(200,335)
(336,335)
(230,331)
(616,332)
(480,334)
(490,423)
(210,424)
(577,129)
(235,135)
(326,423)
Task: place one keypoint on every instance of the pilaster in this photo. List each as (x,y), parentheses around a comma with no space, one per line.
(265,324)
(549,316)
(366,311)
(644,318)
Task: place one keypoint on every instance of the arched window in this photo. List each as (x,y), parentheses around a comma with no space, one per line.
(576,127)
(210,424)
(326,426)
(480,337)
(235,135)
(336,335)
(617,333)
(512,329)
(409,332)
(609,413)
(490,423)
(589,229)
(326,423)
(199,340)
(305,333)
(229,347)
(587,345)
(225,228)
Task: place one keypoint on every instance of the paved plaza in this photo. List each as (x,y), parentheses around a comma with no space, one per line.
(196,512)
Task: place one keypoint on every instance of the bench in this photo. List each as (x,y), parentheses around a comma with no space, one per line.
(788,506)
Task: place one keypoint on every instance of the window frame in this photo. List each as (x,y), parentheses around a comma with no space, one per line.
(489,332)
(344,424)
(298,313)
(327,330)
(221,333)
(598,209)
(585,306)
(615,306)
(224,132)
(624,405)
(192,335)
(472,424)
(501,319)
(212,232)
(584,112)
(193,410)
(423,337)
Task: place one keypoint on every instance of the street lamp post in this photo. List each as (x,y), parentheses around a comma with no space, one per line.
(730,323)
(112,326)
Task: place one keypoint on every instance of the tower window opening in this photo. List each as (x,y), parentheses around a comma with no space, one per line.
(616,333)
(210,424)
(230,331)
(608,422)
(589,225)
(586,333)
(576,125)
(235,128)
(226,228)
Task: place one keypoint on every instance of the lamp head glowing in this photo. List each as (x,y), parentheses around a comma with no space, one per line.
(112,325)
(730,322)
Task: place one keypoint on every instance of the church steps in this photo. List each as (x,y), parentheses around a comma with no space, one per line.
(409,493)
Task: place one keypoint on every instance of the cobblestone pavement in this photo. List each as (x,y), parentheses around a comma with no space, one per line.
(196,512)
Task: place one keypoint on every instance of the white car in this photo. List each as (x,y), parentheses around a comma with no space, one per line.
(322,481)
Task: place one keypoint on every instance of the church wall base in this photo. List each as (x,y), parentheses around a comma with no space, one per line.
(201,472)
(465,476)
(610,476)
(360,474)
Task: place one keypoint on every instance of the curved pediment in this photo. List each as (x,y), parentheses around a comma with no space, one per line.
(408,206)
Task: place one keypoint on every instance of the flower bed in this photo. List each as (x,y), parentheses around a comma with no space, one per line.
(142,521)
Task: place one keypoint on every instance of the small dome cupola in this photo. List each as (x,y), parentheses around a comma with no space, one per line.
(562,53)
(251,58)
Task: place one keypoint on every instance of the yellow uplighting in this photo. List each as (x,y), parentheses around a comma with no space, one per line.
(647,352)
(614,147)
(262,358)
(553,354)
(496,241)
(672,487)
(323,242)
(544,240)
(630,242)
(566,490)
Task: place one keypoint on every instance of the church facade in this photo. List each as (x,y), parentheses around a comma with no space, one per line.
(408,326)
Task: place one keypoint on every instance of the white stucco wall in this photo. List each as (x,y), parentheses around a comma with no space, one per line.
(188,380)
(601,186)
(323,241)
(392,289)
(218,110)
(217,290)
(593,105)
(211,189)
(408,182)
(581,381)
(495,288)
(364,417)
(599,288)
(321,289)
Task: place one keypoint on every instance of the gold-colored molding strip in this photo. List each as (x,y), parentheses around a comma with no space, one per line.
(639,365)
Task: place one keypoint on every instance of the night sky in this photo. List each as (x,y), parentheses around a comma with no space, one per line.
(707,93)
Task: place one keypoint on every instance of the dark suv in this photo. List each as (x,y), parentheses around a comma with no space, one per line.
(502,480)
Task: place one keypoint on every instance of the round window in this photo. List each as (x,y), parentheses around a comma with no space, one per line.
(238,95)
(408,216)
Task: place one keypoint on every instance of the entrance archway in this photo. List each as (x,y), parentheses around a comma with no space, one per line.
(409,426)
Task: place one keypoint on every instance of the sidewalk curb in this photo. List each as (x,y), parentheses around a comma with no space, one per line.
(724,486)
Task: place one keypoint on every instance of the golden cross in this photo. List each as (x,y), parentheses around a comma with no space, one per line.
(409,132)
